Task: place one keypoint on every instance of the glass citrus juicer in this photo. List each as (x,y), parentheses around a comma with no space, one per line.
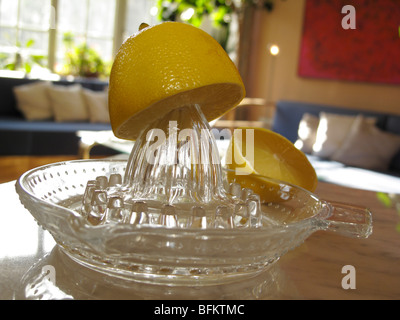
(169,214)
(172,214)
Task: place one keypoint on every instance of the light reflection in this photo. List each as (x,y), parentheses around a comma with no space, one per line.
(274,50)
(74,281)
(154,11)
(321,135)
(299,144)
(362,179)
(337,173)
(187,14)
(20,235)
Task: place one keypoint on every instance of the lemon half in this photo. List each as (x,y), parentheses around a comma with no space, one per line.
(267,154)
(168,66)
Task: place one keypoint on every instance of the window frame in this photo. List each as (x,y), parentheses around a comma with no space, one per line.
(19,28)
(117,32)
(117,39)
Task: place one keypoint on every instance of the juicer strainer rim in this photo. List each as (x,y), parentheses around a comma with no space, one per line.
(24,193)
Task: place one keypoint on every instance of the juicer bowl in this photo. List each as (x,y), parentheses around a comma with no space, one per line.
(177,255)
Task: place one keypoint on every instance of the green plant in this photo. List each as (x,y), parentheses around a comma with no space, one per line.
(390,201)
(22,60)
(172,10)
(218,10)
(82,60)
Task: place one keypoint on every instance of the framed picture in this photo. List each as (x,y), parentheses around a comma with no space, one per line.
(362,44)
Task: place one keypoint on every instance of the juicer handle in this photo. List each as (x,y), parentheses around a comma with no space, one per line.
(349,220)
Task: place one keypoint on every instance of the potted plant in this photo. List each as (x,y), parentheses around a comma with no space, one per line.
(83,61)
(23,59)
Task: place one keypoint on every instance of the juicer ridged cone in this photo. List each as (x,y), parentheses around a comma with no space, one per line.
(173,178)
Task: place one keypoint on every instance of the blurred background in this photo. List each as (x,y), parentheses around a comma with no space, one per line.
(263,37)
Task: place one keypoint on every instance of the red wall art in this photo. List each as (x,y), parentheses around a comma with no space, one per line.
(368,53)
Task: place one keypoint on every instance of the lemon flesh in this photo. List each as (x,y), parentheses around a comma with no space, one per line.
(270,155)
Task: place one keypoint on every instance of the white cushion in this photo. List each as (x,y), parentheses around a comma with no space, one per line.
(307,133)
(33,100)
(331,133)
(367,146)
(68,103)
(97,103)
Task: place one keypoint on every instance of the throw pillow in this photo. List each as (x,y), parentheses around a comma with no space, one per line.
(368,147)
(307,133)
(97,103)
(33,100)
(68,103)
(331,133)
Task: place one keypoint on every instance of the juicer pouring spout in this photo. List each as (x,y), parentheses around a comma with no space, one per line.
(348,220)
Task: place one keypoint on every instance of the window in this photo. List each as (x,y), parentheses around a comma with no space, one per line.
(24,31)
(138,12)
(87,21)
(33,29)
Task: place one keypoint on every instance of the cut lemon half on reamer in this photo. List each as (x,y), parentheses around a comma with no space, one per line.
(165,67)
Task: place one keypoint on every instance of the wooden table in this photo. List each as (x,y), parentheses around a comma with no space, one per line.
(315,268)
(311,271)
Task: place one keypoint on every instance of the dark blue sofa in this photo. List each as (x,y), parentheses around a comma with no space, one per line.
(288,115)
(21,137)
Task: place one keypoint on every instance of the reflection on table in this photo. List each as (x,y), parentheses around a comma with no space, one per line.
(28,256)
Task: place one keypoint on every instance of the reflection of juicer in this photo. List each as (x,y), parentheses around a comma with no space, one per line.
(174,178)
